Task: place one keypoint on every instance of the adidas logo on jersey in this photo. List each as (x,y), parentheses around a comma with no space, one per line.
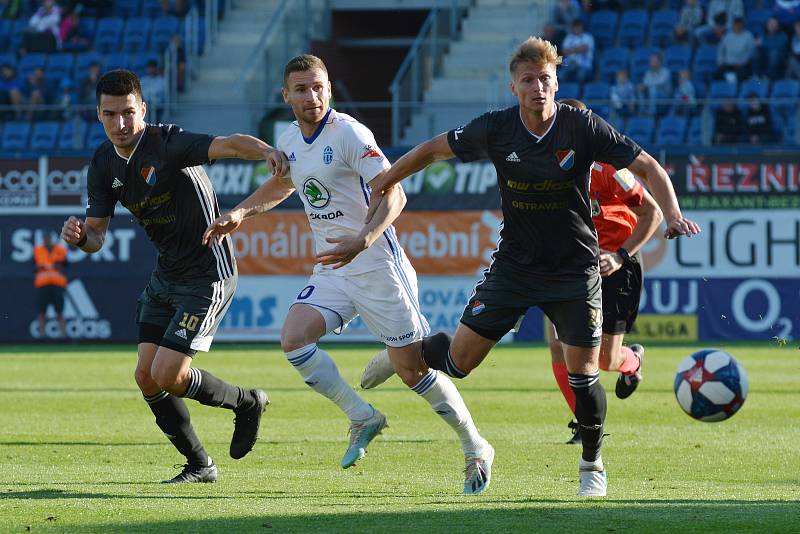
(513,157)
(116,183)
(181,333)
(291,157)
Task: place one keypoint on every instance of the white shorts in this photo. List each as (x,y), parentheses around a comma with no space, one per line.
(387,300)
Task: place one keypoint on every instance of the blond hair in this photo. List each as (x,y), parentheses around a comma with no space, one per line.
(537,51)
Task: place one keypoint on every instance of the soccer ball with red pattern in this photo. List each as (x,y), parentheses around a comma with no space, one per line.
(710,385)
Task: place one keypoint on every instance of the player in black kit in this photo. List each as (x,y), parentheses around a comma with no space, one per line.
(547,255)
(155,170)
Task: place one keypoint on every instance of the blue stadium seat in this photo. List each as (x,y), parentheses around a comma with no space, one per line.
(568,90)
(603,26)
(612,60)
(8,58)
(138,62)
(633,27)
(126,8)
(163,30)
(754,87)
(671,131)
(109,31)
(59,66)
(82,62)
(640,129)
(88,27)
(31,61)
(6,27)
(640,62)
(95,136)
(137,35)
(16,33)
(678,58)
(705,62)
(151,8)
(694,137)
(784,95)
(789,131)
(115,61)
(15,136)
(596,96)
(721,90)
(44,136)
(662,25)
(756,19)
(71,135)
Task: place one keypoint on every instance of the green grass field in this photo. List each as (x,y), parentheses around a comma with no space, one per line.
(79,451)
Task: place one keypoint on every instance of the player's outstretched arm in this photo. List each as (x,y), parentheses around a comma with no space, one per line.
(248,147)
(414,160)
(657,179)
(348,247)
(88,235)
(271,193)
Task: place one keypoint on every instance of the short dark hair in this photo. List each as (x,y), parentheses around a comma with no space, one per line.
(574,102)
(118,82)
(302,63)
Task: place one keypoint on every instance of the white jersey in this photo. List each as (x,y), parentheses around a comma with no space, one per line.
(330,171)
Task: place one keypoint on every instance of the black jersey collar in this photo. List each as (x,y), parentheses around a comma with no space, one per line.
(128,159)
(318,131)
(535,136)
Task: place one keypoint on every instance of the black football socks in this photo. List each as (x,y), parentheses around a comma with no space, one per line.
(172,417)
(590,410)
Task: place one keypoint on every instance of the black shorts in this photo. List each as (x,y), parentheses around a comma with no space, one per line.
(501,299)
(47,296)
(187,316)
(621,293)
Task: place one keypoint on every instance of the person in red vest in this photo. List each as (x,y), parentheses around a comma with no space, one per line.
(625,216)
(50,281)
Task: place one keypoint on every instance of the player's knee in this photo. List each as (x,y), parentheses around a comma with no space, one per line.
(168,379)
(292,342)
(410,377)
(143,379)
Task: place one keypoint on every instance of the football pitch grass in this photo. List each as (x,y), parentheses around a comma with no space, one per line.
(79,451)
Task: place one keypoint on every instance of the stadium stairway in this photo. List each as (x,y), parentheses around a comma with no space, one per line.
(474,76)
(212,102)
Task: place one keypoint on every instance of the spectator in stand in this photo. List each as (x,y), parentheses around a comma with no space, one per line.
(66,99)
(713,34)
(10,92)
(42,33)
(154,89)
(565,13)
(578,52)
(549,33)
(732,9)
(9,9)
(759,122)
(691,17)
(623,95)
(34,93)
(787,12)
(685,94)
(181,61)
(656,86)
(71,38)
(728,123)
(793,65)
(86,91)
(735,53)
(772,48)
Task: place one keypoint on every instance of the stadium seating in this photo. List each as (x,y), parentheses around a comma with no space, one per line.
(137,35)
(29,62)
(115,61)
(44,136)
(694,136)
(8,58)
(678,58)
(671,131)
(633,27)
(640,62)
(569,90)
(5,33)
(109,31)
(662,25)
(15,136)
(603,26)
(721,90)
(612,60)
(783,92)
(95,136)
(59,66)
(71,135)
(127,8)
(640,129)
(596,96)
(705,63)
(756,20)
(162,31)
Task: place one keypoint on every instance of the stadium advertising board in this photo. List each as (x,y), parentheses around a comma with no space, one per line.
(20,183)
(437,242)
(732,244)
(738,181)
(261,303)
(65,179)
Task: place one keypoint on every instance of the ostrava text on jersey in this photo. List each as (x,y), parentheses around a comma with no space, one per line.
(544,184)
(164,185)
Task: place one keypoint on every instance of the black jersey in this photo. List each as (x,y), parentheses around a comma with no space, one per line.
(544,184)
(164,185)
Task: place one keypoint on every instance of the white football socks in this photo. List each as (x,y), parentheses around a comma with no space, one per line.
(444,398)
(321,374)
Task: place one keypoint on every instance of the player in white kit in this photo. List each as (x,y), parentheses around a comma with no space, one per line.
(332,159)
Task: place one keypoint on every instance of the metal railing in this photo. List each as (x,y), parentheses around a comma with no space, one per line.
(292,27)
(424,61)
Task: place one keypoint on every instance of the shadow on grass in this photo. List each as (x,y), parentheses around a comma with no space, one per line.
(478,515)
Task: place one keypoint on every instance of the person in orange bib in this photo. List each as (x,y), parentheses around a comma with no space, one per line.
(50,281)
(625,216)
